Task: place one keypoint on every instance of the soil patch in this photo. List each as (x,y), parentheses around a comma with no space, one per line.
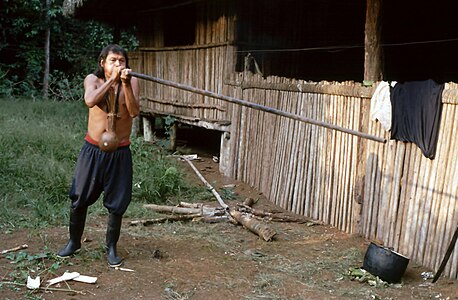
(193,260)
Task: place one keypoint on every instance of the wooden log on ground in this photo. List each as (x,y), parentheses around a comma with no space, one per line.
(171,218)
(202,211)
(253,225)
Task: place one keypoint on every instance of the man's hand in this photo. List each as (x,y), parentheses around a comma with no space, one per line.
(116,74)
(125,76)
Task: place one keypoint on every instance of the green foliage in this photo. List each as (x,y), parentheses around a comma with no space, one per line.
(167,123)
(39,264)
(63,87)
(75,46)
(160,183)
(39,145)
(228,193)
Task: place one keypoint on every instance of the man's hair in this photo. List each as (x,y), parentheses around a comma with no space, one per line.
(116,49)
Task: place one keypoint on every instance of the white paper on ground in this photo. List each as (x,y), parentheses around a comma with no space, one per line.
(33,284)
(86,279)
(67,276)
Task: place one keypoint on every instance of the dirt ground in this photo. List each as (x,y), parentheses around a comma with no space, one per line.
(195,260)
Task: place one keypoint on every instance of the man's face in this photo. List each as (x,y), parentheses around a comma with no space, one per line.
(113,61)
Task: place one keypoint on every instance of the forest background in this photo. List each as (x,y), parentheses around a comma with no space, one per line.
(46,54)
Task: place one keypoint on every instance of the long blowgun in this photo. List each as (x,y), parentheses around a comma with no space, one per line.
(256,106)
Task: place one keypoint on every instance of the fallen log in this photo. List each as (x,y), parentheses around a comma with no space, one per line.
(202,210)
(214,219)
(164,219)
(209,214)
(253,225)
(275,215)
(253,211)
(249,202)
(173,218)
(190,205)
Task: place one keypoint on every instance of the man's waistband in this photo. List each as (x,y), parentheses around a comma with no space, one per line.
(90,140)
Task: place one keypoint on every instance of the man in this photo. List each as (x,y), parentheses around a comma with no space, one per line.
(98,171)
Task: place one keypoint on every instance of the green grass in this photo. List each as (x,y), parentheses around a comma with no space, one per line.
(39,145)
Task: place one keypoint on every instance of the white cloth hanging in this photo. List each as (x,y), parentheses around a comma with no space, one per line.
(381,104)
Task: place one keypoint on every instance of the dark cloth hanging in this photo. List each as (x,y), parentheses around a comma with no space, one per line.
(416,114)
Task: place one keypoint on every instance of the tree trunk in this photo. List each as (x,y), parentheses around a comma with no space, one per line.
(47,51)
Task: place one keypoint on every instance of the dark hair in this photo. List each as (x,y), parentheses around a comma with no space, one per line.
(116,49)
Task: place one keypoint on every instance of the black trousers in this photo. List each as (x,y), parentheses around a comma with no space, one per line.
(96,172)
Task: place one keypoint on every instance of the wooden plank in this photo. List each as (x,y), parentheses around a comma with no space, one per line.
(402,219)
(300,177)
(359,157)
(369,181)
(394,215)
(436,186)
(448,217)
(425,208)
(305,210)
(320,154)
(271,146)
(385,191)
(292,155)
(312,155)
(354,207)
(418,206)
(342,167)
(409,236)
(320,88)
(379,154)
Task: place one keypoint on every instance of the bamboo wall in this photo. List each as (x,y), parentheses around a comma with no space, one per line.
(408,202)
(201,65)
(182,66)
(386,192)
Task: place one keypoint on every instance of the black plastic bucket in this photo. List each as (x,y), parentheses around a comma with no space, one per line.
(385,263)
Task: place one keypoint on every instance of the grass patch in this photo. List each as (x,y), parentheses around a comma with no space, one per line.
(39,145)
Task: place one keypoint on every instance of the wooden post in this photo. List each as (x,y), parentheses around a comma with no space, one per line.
(147,129)
(136,131)
(173,137)
(224,155)
(372,48)
(372,72)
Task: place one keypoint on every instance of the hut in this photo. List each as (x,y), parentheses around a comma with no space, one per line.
(322,61)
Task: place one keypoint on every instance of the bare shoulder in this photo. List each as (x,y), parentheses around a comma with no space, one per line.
(91,78)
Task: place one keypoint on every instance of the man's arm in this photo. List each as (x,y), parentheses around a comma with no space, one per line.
(93,95)
(130,87)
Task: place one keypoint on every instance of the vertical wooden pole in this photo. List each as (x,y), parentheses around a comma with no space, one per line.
(47,51)
(372,48)
(147,129)
(372,72)
(173,137)
(136,131)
